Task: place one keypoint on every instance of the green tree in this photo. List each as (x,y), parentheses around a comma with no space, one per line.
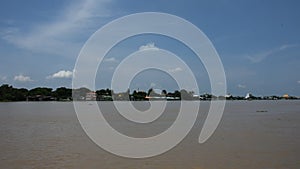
(164,92)
(150,91)
(44,91)
(62,93)
(6,93)
(20,94)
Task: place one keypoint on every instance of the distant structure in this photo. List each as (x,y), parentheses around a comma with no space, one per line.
(90,96)
(248,96)
(228,96)
(286,96)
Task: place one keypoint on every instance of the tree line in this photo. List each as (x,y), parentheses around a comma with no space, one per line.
(9,93)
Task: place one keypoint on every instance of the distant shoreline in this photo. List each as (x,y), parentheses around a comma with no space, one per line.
(148,101)
(10,94)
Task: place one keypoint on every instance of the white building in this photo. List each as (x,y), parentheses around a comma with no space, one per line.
(90,96)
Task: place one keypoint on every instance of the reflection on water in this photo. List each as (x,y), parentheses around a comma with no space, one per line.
(252,134)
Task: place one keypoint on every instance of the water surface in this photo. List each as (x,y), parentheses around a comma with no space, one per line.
(251,135)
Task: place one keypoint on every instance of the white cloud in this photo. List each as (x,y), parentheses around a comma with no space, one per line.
(61,74)
(177,69)
(112,59)
(22,78)
(259,57)
(148,46)
(298,81)
(57,36)
(241,86)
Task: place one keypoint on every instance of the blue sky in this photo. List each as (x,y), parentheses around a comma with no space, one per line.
(257,41)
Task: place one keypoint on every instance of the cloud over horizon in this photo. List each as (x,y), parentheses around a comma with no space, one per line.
(22,78)
(241,86)
(148,46)
(177,69)
(259,57)
(111,59)
(61,74)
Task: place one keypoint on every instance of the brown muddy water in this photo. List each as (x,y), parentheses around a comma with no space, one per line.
(251,135)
